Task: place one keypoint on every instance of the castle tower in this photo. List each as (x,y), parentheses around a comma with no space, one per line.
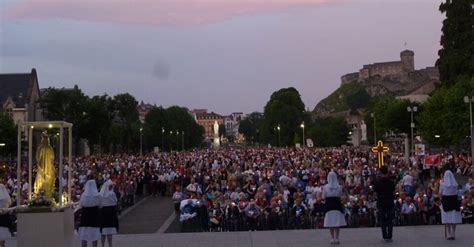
(408,60)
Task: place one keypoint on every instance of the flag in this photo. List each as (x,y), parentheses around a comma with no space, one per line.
(433,160)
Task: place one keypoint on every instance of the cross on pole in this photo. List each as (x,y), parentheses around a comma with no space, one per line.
(380,149)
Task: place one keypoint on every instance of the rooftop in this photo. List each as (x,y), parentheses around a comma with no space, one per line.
(16,86)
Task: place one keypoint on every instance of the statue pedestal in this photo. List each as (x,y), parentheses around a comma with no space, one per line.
(216,144)
(52,229)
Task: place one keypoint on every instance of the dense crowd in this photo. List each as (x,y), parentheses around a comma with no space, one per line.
(267,188)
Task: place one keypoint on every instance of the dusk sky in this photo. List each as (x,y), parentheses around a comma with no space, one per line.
(223,55)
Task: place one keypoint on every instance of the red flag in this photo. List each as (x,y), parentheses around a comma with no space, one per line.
(433,160)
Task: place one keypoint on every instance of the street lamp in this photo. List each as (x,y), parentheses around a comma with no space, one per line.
(279,135)
(375,128)
(182,140)
(171,134)
(162,138)
(2,144)
(177,140)
(141,141)
(469,100)
(412,110)
(302,127)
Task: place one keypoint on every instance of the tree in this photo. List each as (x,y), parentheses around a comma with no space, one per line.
(285,109)
(456,57)
(179,119)
(446,115)
(250,126)
(222,131)
(358,99)
(329,132)
(8,134)
(124,107)
(68,105)
(391,115)
(155,128)
(98,119)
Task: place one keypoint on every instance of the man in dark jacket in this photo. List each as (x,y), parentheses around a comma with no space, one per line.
(385,189)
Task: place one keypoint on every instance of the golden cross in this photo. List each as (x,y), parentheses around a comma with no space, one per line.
(380,149)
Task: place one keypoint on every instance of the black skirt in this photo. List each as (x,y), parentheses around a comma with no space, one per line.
(6,221)
(90,217)
(108,217)
(333,203)
(451,203)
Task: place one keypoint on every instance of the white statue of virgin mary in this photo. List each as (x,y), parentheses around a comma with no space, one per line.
(216,128)
(216,142)
(363,128)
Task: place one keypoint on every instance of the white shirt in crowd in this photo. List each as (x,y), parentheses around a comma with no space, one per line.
(407,180)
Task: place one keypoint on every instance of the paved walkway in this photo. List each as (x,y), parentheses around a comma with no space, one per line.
(147,217)
(420,236)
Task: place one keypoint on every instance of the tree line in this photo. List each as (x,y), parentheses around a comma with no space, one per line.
(110,123)
(284,120)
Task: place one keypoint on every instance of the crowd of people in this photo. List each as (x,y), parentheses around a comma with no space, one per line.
(267,188)
(282,188)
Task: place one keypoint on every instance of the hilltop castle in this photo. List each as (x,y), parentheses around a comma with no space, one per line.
(399,69)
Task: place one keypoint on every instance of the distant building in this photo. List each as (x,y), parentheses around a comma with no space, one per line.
(143,110)
(207,120)
(20,95)
(232,123)
(398,69)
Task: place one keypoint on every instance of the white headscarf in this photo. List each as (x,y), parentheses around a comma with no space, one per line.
(90,197)
(104,190)
(90,189)
(449,180)
(5,196)
(332,181)
(108,197)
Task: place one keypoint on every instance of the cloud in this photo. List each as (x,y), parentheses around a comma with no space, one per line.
(149,12)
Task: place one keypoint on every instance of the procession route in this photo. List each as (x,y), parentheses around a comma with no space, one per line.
(416,236)
(147,217)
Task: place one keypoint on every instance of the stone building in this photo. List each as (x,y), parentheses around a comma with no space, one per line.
(20,95)
(143,110)
(232,123)
(397,68)
(207,120)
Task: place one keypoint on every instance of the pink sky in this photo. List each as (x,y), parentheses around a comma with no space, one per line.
(150,12)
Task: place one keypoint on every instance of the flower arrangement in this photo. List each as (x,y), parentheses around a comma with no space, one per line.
(41,200)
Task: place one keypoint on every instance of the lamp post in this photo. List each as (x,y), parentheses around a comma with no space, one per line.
(177,140)
(162,138)
(375,128)
(412,110)
(279,135)
(141,141)
(469,100)
(171,134)
(182,140)
(302,127)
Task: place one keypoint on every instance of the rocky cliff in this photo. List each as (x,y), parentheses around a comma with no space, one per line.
(355,94)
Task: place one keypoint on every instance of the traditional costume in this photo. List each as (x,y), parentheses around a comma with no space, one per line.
(5,219)
(89,227)
(451,205)
(108,212)
(332,193)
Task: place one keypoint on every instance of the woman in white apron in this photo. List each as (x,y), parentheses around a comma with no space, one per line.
(89,227)
(5,220)
(451,205)
(108,213)
(334,217)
